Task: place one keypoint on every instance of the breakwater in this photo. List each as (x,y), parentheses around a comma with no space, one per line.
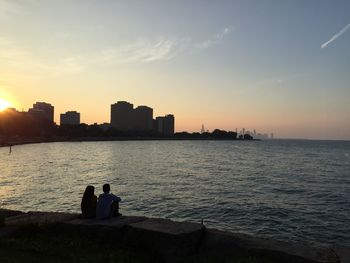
(171,241)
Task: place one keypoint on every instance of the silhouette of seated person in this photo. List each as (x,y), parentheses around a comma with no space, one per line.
(107,204)
(88,203)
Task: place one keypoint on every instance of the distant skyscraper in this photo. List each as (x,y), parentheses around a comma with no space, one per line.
(42,110)
(165,125)
(169,128)
(143,118)
(70,118)
(122,116)
(202,129)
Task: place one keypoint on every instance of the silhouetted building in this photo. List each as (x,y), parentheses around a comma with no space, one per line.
(35,122)
(70,118)
(122,116)
(42,110)
(165,125)
(105,126)
(143,118)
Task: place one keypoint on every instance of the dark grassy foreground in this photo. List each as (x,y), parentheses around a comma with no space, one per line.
(51,244)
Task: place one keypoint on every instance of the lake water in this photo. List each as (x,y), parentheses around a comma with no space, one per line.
(292,190)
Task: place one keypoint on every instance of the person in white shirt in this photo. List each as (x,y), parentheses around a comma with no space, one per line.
(107,204)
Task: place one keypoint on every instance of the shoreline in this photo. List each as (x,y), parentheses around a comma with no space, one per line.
(167,240)
(35,140)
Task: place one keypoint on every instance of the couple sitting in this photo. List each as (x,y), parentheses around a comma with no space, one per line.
(106,206)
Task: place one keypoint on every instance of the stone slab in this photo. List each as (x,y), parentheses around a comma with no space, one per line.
(217,241)
(38,218)
(7,213)
(168,227)
(116,222)
(343,253)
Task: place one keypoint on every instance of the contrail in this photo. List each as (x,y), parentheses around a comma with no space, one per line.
(346,28)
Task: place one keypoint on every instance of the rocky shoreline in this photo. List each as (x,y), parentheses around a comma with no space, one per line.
(169,241)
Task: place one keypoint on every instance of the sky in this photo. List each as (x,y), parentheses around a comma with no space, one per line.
(270,65)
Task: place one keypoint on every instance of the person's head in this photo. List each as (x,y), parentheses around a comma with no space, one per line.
(106,188)
(89,191)
(88,195)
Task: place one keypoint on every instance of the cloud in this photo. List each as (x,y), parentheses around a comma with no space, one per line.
(333,38)
(142,51)
(215,40)
(159,49)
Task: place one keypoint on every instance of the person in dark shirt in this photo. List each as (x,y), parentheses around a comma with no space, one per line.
(88,203)
(107,204)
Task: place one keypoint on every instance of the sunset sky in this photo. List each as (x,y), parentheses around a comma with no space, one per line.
(270,65)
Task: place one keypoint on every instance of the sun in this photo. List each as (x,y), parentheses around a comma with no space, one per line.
(4,104)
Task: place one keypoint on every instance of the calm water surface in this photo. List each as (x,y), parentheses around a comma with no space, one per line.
(296,191)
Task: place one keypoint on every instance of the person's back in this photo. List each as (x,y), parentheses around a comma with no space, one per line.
(107,204)
(88,203)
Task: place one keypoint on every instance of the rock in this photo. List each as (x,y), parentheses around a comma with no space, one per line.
(171,240)
(115,222)
(224,243)
(343,253)
(7,213)
(38,218)
(111,229)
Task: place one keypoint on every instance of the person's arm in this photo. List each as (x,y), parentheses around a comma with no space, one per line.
(116,198)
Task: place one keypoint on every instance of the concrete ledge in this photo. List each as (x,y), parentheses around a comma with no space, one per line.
(7,213)
(175,241)
(38,218)
(167,226)
(116,222)
(227,243)
(169,239)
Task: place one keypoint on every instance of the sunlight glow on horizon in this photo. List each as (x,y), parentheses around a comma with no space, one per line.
(4,104)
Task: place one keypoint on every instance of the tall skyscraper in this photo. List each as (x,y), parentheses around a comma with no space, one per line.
(165,125)
(143,118)
(70,118)
(42,110)
(122,116)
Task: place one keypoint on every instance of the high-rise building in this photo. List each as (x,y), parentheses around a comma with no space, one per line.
(122,116)
(42,110)
(165,125)
(143,118)
(70,118)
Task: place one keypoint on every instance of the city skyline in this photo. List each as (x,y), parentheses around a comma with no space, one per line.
(264,65)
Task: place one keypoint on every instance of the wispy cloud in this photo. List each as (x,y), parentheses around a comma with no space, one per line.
(216,39)
(333,38)
(159,49)
(142,51)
